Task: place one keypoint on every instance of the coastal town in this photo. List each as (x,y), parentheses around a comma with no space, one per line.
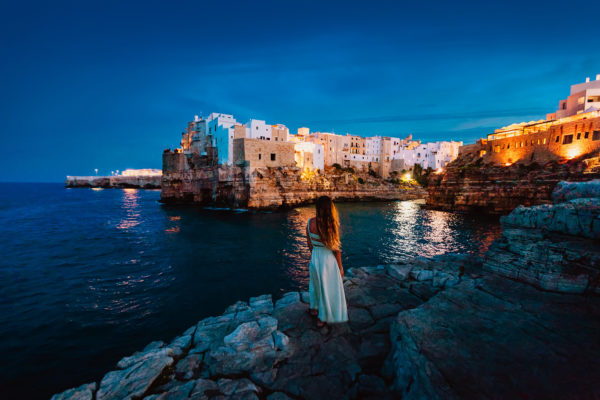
(220,140)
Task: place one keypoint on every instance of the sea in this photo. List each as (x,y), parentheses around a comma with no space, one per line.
(88,276)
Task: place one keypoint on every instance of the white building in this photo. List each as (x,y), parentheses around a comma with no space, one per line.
(584,97)
(429,155)
(220,133)
(309,155)
(373,148)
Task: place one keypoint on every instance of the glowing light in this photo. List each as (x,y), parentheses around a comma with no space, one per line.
(572,153)
(507,164)
(406,177)
(439,171)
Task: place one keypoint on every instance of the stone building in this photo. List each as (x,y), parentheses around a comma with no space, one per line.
(257,153)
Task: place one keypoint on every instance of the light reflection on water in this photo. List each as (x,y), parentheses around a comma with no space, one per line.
(96,275)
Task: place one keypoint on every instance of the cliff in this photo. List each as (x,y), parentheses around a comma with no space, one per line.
(119,182)
(468,184)
(452,326)
(185,182)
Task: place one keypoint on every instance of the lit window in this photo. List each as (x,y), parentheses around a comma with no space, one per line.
(544,141)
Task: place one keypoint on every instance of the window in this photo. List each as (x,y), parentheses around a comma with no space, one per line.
(578,135)
(596,135)
(587,135)
(567,139)
(544,141)
(557,138)
(580,100)
(272,156)
(259,156)
(497,149)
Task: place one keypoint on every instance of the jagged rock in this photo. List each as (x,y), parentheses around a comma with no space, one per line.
(482,188)
(204,387)
(148,352)
(187,367)
(229,387)
(211,331)
(553,247)
(180,392)
(83,392)
(247,334)
(400,272)
(287,300)
(133,381)
(262,304)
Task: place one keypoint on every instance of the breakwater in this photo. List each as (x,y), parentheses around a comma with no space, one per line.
(109,182)
(271,187)
(450,326)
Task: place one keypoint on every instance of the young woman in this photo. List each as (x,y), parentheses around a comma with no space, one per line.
(326,289)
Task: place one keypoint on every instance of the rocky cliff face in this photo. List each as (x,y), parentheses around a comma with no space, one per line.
(270,188)
(469,185)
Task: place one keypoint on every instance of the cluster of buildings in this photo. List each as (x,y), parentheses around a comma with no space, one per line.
(571,131)
(221,140)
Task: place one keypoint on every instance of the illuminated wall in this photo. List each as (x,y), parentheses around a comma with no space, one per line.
(541,142)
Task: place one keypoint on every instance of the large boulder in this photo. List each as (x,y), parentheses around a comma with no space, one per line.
(134,381)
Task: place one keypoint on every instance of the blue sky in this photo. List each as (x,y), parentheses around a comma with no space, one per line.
(109,85)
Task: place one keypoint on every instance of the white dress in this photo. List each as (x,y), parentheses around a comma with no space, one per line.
(326,288)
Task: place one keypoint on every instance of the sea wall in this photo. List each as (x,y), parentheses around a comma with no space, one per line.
(141,182)
(185,182)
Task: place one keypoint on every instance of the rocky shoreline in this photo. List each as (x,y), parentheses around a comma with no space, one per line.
(114,182)
(521,322)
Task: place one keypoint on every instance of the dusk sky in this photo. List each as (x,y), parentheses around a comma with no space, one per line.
(109,85)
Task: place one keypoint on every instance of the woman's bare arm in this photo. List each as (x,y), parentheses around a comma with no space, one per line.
(308,239)
(338,257)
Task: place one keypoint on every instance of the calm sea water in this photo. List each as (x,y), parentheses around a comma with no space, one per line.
(88,276)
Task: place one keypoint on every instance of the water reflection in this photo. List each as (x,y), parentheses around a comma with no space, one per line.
(131,208)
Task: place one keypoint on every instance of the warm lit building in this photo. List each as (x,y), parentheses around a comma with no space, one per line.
(570,132)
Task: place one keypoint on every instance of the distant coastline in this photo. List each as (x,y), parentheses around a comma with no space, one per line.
(114,182)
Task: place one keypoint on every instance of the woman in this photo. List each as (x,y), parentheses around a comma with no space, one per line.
(326,289)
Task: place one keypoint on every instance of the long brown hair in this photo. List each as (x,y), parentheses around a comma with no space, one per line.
(328,224)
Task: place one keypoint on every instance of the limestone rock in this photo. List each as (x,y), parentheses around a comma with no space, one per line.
(133,381)
(83,392)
